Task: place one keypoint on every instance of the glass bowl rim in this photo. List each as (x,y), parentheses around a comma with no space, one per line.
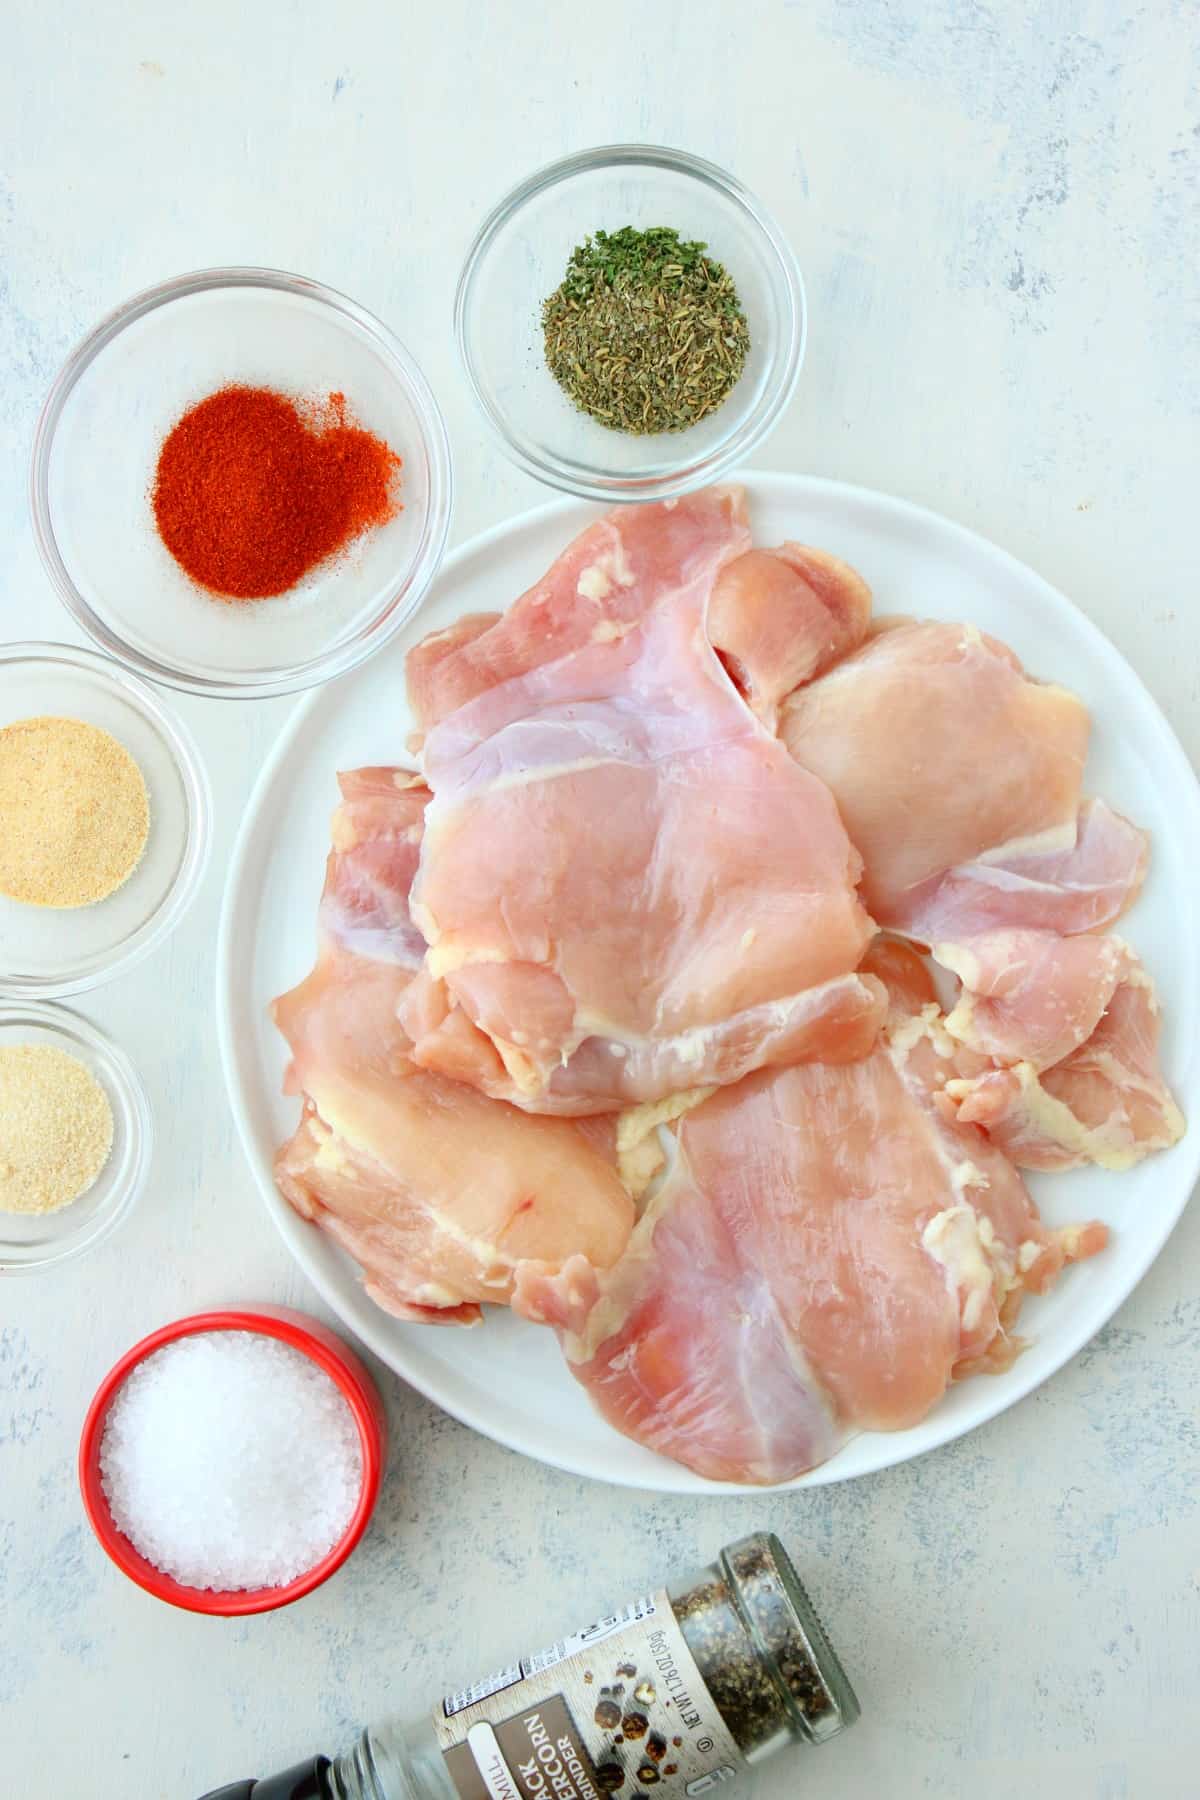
(65,1021)
(569,477)
(286,678)
(157,927)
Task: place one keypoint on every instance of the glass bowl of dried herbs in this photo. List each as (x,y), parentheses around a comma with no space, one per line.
(631,322)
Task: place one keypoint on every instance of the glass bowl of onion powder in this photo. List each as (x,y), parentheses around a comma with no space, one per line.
(631,321)
(105,820)
(230,1462)
(75,1136)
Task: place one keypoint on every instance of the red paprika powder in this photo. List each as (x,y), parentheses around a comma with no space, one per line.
(253,490)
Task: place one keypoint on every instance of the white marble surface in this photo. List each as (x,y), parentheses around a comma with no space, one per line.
(997,219)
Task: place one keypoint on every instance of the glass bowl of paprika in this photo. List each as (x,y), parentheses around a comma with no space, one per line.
(241,483)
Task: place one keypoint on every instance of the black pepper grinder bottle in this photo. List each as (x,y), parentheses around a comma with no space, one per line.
(679,1692)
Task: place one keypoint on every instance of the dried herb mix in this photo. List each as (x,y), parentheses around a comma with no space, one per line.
(645,331)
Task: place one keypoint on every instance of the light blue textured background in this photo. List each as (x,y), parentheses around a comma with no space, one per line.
(997,216)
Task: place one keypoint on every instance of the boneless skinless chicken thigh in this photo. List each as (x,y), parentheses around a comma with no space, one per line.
(829,1249)
(619,945)
(627,884)
(438,1192)
(959,780)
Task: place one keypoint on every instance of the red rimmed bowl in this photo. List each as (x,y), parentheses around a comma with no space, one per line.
(353,1382)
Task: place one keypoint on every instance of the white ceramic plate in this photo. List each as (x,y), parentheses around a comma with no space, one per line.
(508,1379)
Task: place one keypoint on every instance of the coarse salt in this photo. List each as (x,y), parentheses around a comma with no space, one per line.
(230,1460)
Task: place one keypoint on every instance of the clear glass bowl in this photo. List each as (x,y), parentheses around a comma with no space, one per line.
(96,448)
(519,257)
(29,1241)
(47,951)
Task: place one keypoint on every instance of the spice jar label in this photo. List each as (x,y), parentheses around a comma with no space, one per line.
(618,1708)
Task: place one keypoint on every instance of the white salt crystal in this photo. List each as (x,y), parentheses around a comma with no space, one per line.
(230,1461)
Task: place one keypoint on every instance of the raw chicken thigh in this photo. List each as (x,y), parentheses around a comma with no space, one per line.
(958,779)
(438,1192)
(778,618)
(829,1250)
(775,617)
(607,578)
(1083,884)
(627,885)
(1058,1056)
(1104,1102)
(1032,996)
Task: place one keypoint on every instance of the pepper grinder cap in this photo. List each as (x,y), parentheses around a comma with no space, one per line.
(785,1630)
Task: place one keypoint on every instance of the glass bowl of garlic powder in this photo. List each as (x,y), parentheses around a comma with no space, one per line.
(75,1136)
(104,820)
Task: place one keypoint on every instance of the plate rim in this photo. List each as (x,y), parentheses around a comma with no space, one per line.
(888,1449)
